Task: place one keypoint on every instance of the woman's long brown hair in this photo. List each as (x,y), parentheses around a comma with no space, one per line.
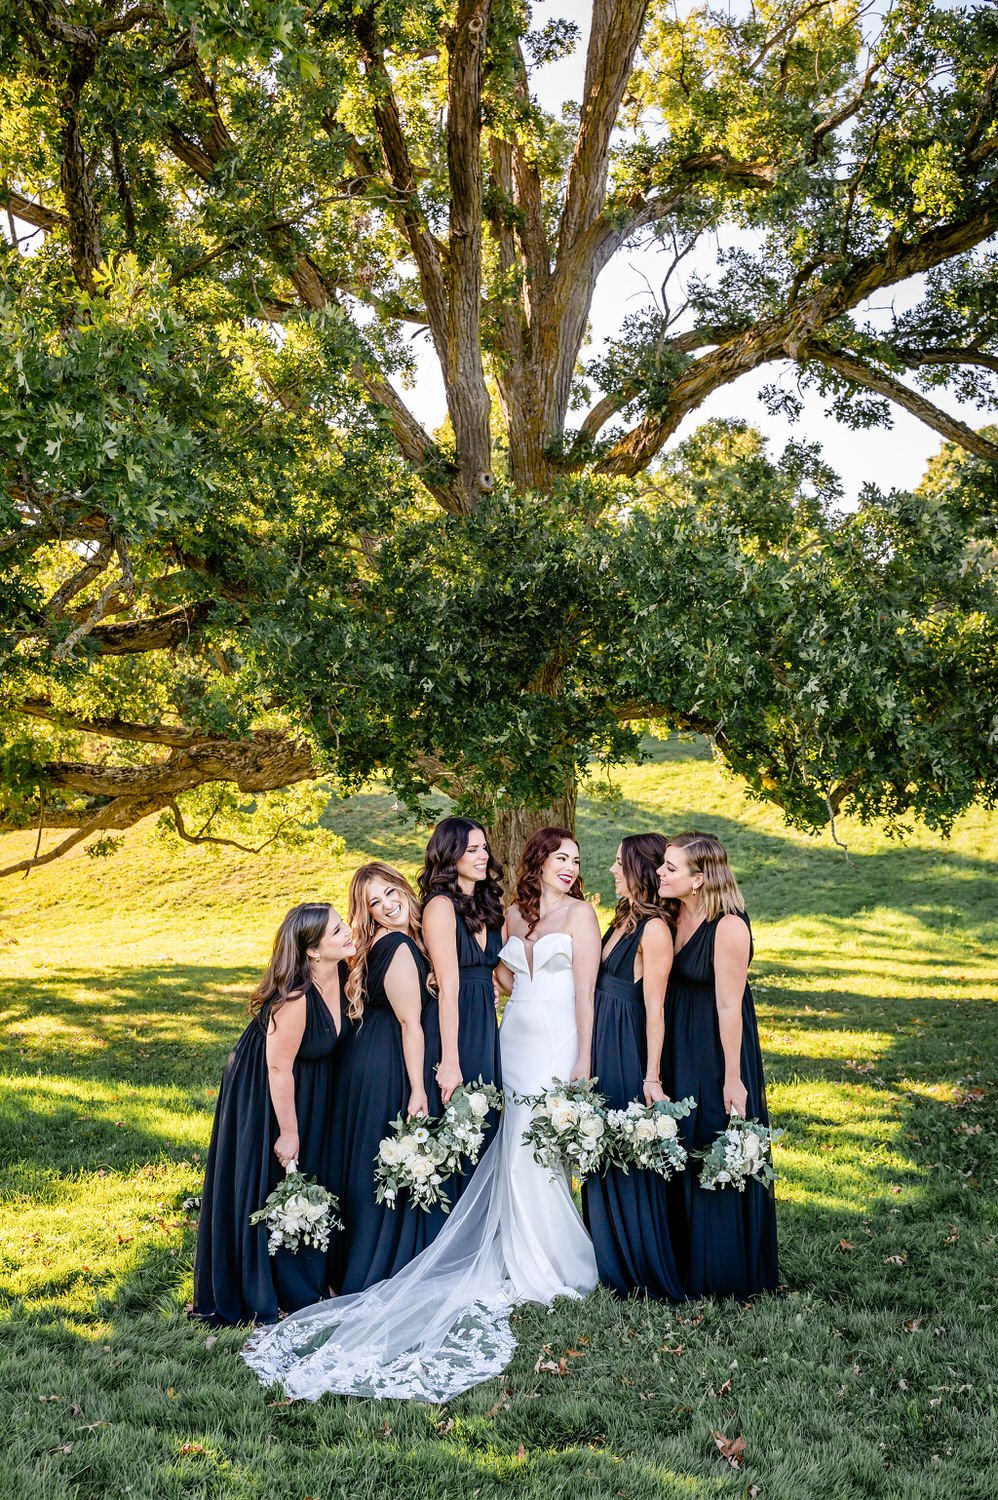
(288,975)
(527,895)
(640,856)
(365,928)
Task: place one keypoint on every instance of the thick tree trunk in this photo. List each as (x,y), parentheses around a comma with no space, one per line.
(510,827)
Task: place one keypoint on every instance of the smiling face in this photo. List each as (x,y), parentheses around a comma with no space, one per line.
(619,878)
(336,942)
(474,862)
(676,879)
(560,870)
(388,905)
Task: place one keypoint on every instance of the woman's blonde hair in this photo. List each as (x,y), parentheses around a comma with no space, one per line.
(365,928)
(707,856)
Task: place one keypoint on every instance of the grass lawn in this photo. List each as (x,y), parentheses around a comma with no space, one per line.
(122,987)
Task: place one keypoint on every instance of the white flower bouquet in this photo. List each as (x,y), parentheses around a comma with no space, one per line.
(298,1212)
(412,1158)
(464,1121)
(743,1150)
(568,1127)
(423,1153)
(647,1136)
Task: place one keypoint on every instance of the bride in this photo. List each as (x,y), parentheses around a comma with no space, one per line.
(440,1325)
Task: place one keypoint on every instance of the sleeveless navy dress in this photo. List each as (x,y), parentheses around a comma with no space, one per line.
(627,1213)
(372,1088)
(478,1028)
(235,1279)
(730,1237)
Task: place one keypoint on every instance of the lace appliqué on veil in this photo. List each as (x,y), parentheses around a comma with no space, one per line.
(308,1362)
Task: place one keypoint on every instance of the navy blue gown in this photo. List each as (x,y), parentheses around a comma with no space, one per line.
(730,1237)
(627,1213)
(235,1279)
(478,1028)
(372,1088)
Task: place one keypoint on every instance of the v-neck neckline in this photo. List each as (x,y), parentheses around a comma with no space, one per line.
(337,1020)
(692,935)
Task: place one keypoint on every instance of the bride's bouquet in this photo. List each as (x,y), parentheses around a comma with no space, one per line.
(423,1153)
(568,1127)
(298,1212)
(743,1150)
(647,1136)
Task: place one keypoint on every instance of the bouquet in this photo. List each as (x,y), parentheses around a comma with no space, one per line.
(646,1136)
(568,1127)
(741,1151)
(298,1212)
(465,1118)
(423,1153)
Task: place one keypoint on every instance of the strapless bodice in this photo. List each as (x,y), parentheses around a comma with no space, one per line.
(552,981)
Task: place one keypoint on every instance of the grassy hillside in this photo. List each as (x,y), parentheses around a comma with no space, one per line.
(122,987)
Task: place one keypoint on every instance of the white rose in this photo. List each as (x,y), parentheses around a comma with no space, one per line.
(645,1130)
(593,1128)
(407,1148)
(389,1152)
(667,1128)
(563,1119)
(479,1105)
(752,1147)
(421,1168)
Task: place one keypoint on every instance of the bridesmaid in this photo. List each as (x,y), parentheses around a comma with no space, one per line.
(462,925)
(382,1071)
(274,1107)
(712,1051)
(627,1213)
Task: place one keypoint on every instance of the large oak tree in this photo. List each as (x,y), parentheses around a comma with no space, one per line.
(237,560)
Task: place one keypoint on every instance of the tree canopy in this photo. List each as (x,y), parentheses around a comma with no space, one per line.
(237,561)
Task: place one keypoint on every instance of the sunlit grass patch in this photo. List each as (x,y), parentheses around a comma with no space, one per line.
(122,988)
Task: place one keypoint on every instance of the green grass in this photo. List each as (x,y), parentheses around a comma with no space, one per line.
(122,986)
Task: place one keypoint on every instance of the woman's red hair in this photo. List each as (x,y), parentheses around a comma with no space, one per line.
(527,895)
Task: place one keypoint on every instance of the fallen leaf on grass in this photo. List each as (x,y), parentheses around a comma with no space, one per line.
(912,1325)
(288,1401)
(731,1449)
(846,1245)
(724,1389)
(211,1340)
(447,1425)
(503,1401)
(51,1398)
(676,1349)
(521,1451)
(75,1411)
(550,1366)
(895,1260)
(575,1354)
(68,1447)
(192,1447)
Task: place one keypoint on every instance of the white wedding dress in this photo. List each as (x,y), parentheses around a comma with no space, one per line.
(441,1324)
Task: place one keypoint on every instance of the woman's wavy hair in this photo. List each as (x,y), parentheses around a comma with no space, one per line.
(640,856)
(527,895)
(707,857)
(365,928)
(448,841)
(288,974)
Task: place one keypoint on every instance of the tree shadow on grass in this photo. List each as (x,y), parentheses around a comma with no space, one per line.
(783,876)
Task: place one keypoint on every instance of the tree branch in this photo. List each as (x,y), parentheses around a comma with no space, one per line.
(31,213)
(785,335)
(848,365)
(467,395)
(613,38)
(108,728)
(209,838)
